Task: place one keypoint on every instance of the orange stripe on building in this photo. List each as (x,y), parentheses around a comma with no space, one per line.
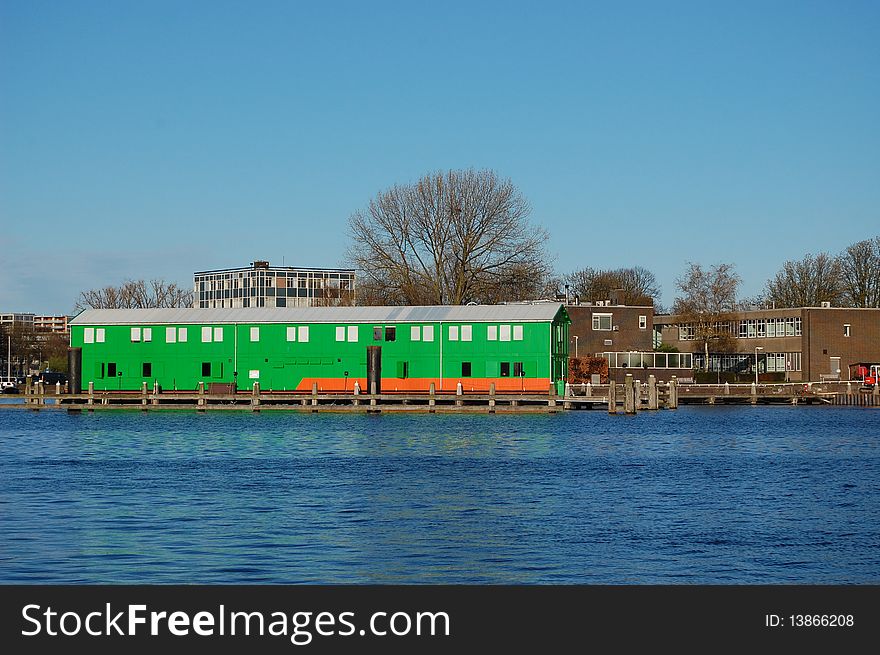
(423,385)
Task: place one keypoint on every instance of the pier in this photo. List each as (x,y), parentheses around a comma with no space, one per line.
(630,397)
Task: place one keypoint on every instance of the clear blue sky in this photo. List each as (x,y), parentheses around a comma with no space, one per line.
(143,140)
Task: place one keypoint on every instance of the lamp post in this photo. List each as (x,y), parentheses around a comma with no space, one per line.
(575,346)
(757,348)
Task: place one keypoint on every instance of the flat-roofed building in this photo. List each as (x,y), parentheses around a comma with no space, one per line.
(16,318)
(262,285)
(599,327)
(795,344)
(52,323)
(623,335)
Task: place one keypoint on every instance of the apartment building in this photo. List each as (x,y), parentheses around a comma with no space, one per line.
(795,344)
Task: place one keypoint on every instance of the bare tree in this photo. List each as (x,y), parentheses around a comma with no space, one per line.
(136,294)
(333,295)
(709,296)
(806,283)
(860,274)
(639,285)
(450,238)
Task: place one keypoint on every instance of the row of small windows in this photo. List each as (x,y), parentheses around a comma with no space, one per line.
(220,284)
(504,332)
(752,328)
(110,369)
(771,327)
(94,335)
(421,333)
(781,362)
(605,322)
(426,333)
(293,333)
(743,362)
(518,369)
(300,333)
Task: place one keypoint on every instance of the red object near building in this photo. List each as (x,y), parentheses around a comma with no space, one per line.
(867,374)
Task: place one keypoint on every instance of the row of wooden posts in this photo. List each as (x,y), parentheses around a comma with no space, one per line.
(659,395)
(631,394)
(256,397)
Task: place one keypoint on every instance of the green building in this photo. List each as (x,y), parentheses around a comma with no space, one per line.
(519,347)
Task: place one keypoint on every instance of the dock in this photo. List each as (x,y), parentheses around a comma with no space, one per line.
(630,397)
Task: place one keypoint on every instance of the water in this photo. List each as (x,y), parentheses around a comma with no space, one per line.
(698,495)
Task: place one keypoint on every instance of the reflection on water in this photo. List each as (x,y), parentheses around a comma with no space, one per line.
(699,495)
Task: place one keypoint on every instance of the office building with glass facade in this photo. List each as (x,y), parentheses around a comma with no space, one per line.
(262,285)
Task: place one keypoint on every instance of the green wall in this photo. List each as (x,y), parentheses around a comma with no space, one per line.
(279,364)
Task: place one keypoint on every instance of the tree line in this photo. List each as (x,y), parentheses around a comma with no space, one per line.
(465,236)
(23,347)
(136,294)
(848,279)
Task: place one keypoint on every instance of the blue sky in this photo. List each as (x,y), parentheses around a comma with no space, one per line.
(142,140)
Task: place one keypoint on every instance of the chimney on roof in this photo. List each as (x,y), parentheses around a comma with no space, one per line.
(617,297)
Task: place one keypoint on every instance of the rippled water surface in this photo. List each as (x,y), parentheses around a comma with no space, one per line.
(698,495)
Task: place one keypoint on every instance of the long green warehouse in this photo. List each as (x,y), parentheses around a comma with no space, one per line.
(519,347)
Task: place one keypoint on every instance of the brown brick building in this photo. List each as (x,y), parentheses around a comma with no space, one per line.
(798,344)
(623,335)
(597,328)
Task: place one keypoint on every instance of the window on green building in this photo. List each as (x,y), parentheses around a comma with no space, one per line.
(147,370)
(505,369)
(390,334)
(465,369)
(206,369)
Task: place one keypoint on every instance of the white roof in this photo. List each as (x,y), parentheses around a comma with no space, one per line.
(404,314)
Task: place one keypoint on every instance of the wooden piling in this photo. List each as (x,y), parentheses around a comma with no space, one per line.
(255,397)
(653,399)
(612,397)
(629,401)
(672,400)
(491,397)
